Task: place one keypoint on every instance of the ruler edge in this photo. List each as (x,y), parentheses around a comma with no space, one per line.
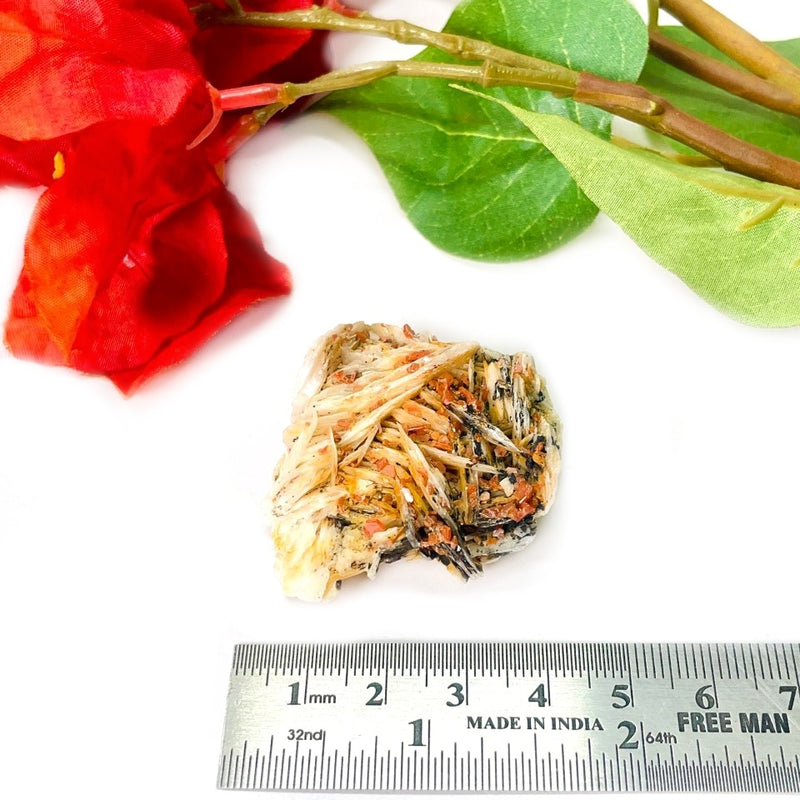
(298,645)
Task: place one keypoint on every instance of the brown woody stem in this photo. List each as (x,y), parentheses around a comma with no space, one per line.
(724,76)
(632,102)
(734,41)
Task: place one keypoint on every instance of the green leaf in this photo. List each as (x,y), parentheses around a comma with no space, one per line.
(733,240)
(471,180)
(770,129)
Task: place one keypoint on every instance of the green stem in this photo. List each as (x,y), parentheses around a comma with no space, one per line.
(652,13)
(463,47)
(486,75)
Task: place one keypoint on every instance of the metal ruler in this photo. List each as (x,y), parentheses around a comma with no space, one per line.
(513,717)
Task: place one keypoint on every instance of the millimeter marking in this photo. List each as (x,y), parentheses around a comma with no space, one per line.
(513,717)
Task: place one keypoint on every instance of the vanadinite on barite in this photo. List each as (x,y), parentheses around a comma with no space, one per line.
(401,445)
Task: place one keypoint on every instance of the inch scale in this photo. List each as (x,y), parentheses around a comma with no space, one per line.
(513,717)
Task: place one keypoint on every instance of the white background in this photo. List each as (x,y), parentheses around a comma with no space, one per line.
(135,551)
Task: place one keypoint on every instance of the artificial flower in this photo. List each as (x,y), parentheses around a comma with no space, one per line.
(135,257)
(136,253)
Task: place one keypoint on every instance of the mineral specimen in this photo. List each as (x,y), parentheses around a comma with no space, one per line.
(401,445)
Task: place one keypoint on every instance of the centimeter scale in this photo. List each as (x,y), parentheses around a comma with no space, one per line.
(512,717)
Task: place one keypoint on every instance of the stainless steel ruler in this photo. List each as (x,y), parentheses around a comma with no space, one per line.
(513,717)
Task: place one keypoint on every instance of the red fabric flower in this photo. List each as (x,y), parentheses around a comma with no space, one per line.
(136,253)
(68,64)
(135,257)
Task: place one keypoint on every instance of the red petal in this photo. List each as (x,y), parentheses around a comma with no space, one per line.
(253,275)
(142,305)
(237,55)
(66,65)
(25,335)
(135,257)
(78,231)
(29,163)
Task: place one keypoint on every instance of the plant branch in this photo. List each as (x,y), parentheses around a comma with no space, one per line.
(636,104)
(463,47)
(724,76)
(652,13)
(487,75)
(734,41)
(502,67)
